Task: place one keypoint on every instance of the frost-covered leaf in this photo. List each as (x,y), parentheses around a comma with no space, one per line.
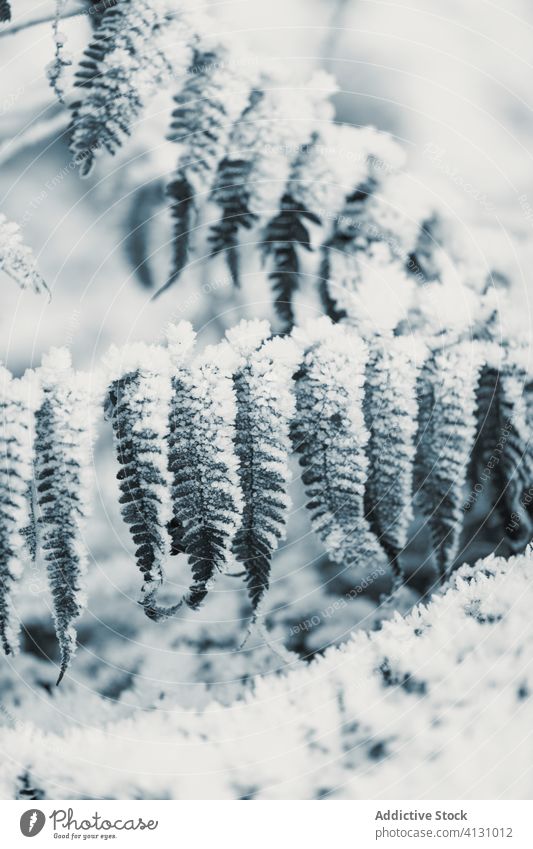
(330,434)
(391,418)
(251,178)
(16,259)
(446,434)
(16,453)
(214,94)
(205,486)
(135,47)
(63,461)
(138,405)
(265,406)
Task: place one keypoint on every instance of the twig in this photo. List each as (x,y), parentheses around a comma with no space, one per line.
(34,22)
(330,42)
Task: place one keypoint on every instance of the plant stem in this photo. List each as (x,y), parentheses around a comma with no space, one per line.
(34,22)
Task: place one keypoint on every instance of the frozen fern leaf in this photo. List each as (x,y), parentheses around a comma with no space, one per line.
(391,415)
(5,11)
(135,47)
(147,202)
(330,434)
(17,260)
(15,483)
(63,459)
(372,227)
(320,177)
(231,191)
(205,487)
(251,179)
(505,461)
(211,99)
(445,439)
(265,406)
(286,235)
(138,403)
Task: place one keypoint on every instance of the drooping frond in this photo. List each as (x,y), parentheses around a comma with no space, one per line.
(135,47)
(504,455)
(138,404)
(446,434)
(63,459)
(16,435)
(5,11)
(231,192)
(140,223)
(251,178)
(205,486)
(426,253)
(321,176)
(211,99)
(265,406)
(374,235)
(330,434)
(391,418)
(16,259)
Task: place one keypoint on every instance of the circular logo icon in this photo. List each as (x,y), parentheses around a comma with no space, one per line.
(32,822)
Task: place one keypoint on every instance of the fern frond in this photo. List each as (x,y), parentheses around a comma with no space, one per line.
(330,434)
(135,47)
(231,191)
(16,259)
(251,179)
(513,446)
(391,418)
(5,11)
(446,435)
(286,235)
(138,403)
(213,96)
(265,407)
(16,434)
(205,488)
(98,8)
(321,175)
(376,232)
(63,458)
(137,242)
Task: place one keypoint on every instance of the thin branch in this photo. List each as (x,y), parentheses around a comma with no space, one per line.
(34,22)
(330,43)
